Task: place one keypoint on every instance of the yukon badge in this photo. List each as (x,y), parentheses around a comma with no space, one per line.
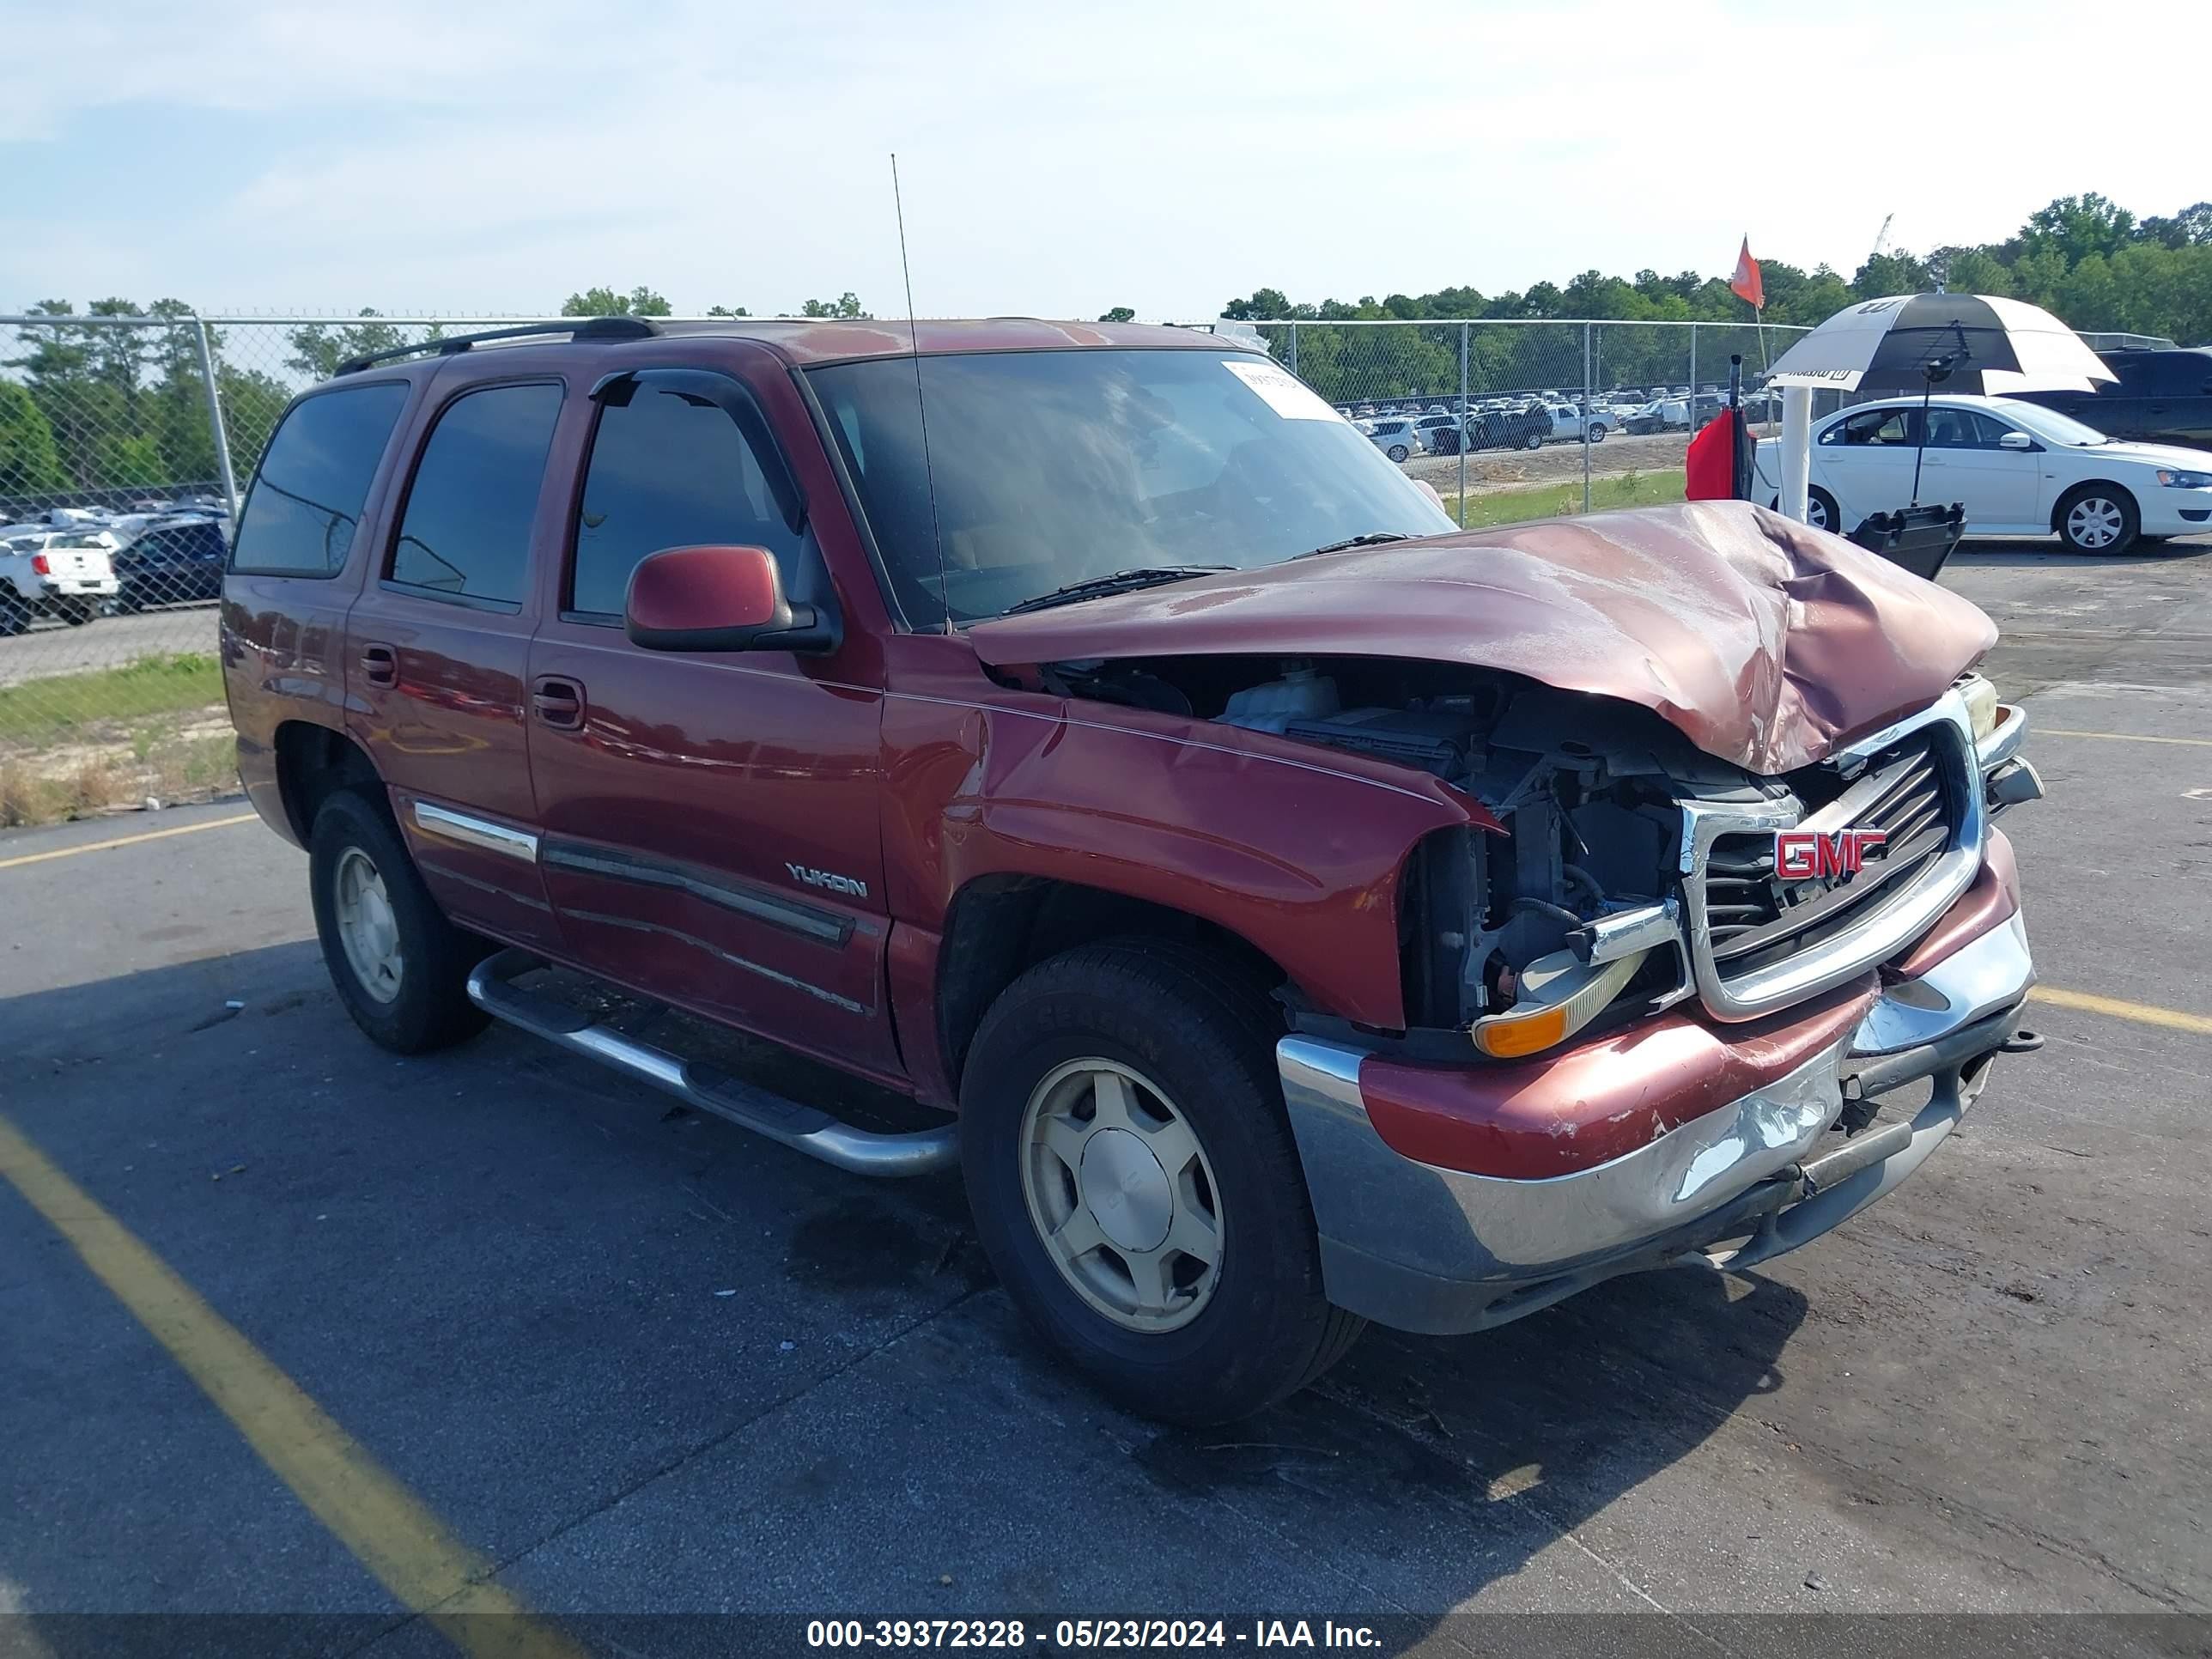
(813,877)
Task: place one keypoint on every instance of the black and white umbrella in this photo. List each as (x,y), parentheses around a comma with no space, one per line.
(1965,342)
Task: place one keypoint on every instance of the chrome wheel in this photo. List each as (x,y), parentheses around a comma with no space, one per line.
(1816,513)
(1120,1191)
(367,927)
(2095,522)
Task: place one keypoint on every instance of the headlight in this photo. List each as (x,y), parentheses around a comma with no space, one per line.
(2173,480)
(1981,704)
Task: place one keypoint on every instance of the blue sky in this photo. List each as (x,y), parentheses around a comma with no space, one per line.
(1057,160)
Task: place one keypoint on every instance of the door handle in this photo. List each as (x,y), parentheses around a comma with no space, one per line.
(379,665)
(558,702)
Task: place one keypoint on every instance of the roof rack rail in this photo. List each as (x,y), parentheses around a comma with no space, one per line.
(578,328)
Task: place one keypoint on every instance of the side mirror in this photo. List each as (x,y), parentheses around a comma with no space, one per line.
(718,598)
(2014,441)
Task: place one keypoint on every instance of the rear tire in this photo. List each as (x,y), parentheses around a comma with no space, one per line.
(76,615)
(1534,441)
(399,966)
(1173,1041)
(1397,453)
(2097,517)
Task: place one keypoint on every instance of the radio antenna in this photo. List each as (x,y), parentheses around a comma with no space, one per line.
(921,404)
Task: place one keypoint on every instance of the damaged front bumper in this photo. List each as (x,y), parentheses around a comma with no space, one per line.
(1432,1188)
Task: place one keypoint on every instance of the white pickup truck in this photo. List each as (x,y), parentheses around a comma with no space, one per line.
(69,573)
(1567,423)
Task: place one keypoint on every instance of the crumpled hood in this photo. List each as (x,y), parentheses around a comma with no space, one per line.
(1766,642)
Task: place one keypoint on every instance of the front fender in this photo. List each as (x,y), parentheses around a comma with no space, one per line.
(1294,849)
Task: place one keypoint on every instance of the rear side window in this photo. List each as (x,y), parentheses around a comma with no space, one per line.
(306,501)
(466,531)
(668,468)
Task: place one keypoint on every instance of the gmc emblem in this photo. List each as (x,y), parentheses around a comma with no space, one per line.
(1800,854)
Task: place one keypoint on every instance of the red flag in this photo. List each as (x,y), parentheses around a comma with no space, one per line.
(1746,284)
(1709,469)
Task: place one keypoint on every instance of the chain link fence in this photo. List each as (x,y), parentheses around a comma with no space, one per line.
(126,441)
(1520,420)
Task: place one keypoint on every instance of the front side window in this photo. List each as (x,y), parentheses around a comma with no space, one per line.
(1875,428)
(1046,468)
(466,531)
(305,499)
(1953,428)
(669,468)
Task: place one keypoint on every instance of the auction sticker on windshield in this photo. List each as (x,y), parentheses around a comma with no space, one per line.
(1288,396)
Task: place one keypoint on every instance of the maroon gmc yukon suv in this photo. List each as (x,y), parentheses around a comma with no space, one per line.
(1287,910)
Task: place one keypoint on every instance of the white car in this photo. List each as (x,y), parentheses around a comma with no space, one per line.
(2018,468)
(1393,434)
(68,573)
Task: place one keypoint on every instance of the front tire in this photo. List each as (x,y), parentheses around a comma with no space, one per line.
(1135,1184)
(2099,519)
(1397,453)
(399,965)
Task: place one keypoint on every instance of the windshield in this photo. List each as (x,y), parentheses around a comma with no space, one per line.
(1054,467)
(2050,423)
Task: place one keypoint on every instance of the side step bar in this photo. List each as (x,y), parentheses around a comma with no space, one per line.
(803,1128)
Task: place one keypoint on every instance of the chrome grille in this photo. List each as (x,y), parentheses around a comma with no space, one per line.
(1754,916)
(1758,942)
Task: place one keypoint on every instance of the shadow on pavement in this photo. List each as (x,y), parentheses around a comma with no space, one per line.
(647,1363)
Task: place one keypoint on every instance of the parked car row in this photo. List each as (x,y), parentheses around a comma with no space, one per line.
(1401,437)
(1618,401)
(80,562)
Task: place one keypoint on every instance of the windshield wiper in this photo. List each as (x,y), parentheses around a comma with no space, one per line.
(1121,581)
(1365,538)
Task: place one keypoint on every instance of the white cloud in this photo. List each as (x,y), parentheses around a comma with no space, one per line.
(1061,159)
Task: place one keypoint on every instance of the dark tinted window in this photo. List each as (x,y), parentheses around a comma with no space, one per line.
(306,499)
(198,541)
(466,528)
(668,469)
(2158,374)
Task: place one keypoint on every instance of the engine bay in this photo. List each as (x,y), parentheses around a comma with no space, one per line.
(1588,790)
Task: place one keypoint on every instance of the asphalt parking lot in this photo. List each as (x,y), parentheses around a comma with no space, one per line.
(588,1355)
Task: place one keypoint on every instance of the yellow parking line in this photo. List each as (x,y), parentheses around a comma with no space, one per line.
(385,1527)
(2119,736)
(2143,1013)
(126,841)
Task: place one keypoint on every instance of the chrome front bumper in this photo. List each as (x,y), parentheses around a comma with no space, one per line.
(1438,1250)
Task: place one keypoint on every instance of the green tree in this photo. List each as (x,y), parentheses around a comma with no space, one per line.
(1118,314)
(2080,226)
(640,301)
(2190,227)
(29,465)
(727,310)
(126,458)
(318,349)
(846,304)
